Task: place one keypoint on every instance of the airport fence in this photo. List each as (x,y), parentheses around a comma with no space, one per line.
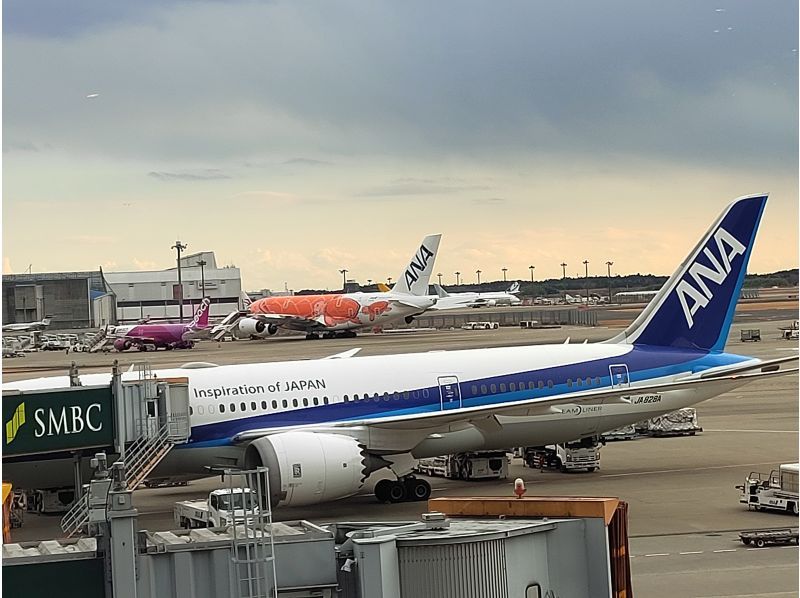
(549,317)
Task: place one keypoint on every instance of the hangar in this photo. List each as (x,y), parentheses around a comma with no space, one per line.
(72,299)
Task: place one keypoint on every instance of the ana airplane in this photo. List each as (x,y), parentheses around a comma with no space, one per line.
(323,426)
(168,336)
(28,326)
(492,299)
(341,314)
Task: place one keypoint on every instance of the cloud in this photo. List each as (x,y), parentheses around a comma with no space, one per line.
(208,174)
(490,200)
(19,146)
(414,186)
(307,162)
(144,264)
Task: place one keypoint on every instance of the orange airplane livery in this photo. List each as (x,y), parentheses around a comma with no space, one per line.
(341,314)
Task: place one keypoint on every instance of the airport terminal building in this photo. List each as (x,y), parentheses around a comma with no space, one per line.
(155,294)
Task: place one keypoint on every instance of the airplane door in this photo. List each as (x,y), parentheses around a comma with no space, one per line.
(619,376)
(449,392)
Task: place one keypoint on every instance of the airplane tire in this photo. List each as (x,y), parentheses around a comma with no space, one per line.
(142,348)
(397,492)
(382,490)
(417,489)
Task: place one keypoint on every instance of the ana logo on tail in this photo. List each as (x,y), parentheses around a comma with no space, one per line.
(417,265)
(728,247)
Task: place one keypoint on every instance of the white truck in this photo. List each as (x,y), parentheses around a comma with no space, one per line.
(480,465)
(777,491)
(481,326)
(570,456)
(223,507)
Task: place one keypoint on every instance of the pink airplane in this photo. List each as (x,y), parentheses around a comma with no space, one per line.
(169,336)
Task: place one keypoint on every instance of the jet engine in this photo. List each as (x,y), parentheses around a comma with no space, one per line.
(491,302)
(122,344)
(254,327)
(306,468)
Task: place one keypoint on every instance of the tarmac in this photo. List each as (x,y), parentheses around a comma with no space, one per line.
(684,512)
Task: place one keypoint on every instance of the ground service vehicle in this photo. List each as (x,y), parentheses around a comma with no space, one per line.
(569,456)
(481,326)
(753,335)
(762,537)
(479,465)
(223,507)
(778,491)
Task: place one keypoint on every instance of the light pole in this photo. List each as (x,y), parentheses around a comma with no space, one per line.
(458,280)
(532,268)
(564,277)
(178,247)
(389,278)
(504,274)
(440,278)
(609,264)
(343,272)
(202,264)
(369,281)
(586,265)
(478,272)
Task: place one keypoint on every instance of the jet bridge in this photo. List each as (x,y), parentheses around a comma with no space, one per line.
(47,433)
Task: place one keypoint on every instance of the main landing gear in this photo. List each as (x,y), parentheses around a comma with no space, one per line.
(313,336)
(407,489)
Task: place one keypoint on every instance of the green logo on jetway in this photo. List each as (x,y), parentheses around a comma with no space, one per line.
(14,423)
(41,422)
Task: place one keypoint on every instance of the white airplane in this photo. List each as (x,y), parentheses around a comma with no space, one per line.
(491,299)
(341,314)
(28,326)
(322,426)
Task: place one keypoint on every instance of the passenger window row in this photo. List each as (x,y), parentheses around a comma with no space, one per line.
(253,405)
(531,385)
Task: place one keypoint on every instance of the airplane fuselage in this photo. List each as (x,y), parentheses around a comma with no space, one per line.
(227,401)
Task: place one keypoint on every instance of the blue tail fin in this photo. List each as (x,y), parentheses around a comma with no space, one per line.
(695,307)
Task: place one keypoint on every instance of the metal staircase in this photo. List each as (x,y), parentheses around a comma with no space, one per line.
(98,340)
(141,457)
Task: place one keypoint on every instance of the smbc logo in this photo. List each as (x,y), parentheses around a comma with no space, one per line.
(13,425)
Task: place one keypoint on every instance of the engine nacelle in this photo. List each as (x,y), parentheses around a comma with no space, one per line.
(307,468)
(491,302)
(255,327)
(122,344)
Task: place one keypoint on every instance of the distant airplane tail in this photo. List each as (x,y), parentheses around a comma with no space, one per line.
(200,319)
(694,308)
(514,288)
(383,288)
(46,321)
(417,274)
(440,292)
(246,301)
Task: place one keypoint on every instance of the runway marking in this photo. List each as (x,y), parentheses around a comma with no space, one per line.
(692,552)
(725,550)
(755,431)
(622,475)
(658,554)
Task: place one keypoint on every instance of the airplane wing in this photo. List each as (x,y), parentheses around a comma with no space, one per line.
(290,322)
(437,420)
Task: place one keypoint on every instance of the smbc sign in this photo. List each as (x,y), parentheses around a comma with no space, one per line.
(57,420)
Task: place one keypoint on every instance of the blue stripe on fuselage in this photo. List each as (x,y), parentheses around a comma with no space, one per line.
(643,362)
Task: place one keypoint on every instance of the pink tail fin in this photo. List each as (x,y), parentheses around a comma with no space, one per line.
(200,319)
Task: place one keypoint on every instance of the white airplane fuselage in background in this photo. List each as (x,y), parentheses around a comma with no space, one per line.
(490,299)
(322,426)
(27,326)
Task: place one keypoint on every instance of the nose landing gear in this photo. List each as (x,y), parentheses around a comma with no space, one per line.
(407,489)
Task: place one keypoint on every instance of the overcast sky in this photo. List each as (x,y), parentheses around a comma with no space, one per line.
(295,138)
